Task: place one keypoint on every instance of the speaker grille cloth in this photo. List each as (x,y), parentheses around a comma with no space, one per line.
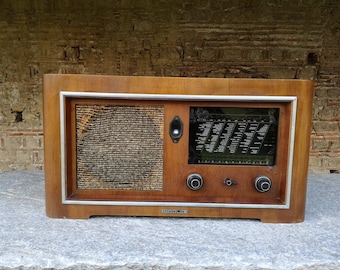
(119,147)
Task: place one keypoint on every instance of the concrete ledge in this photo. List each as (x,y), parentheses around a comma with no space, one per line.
(30,240)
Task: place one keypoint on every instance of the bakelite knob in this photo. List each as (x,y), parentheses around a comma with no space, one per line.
(194,181)
(262,183)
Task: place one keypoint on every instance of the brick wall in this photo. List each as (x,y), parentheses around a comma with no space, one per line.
(198,38)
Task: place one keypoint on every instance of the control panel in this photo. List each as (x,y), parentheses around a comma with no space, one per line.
(261,183)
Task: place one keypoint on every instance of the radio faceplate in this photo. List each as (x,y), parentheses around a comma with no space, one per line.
(168,153)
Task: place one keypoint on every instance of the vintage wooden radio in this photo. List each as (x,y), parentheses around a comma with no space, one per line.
(180,147)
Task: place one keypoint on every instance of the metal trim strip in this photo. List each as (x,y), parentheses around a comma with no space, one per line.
(65,94)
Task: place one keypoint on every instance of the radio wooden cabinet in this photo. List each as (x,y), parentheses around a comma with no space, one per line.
(179,147)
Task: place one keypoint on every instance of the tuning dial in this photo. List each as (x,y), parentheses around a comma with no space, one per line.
(262,183)
(194,181)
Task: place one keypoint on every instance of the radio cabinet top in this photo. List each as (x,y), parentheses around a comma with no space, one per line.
(176,147)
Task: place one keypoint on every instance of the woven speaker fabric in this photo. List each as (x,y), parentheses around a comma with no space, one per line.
(119,147)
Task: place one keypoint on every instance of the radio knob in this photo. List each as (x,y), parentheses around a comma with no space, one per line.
(262,183)
(194,181)
(229,182)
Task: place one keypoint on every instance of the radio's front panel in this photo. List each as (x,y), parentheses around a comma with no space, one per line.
(171,151)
